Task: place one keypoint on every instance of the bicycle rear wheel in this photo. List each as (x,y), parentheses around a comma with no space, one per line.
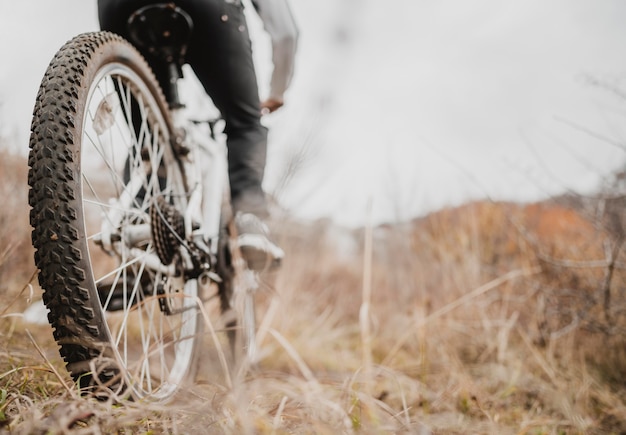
(101,158)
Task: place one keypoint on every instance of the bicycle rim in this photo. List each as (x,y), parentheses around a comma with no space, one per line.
(152,342)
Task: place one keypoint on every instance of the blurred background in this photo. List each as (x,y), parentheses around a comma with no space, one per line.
(490,317)
(402,107)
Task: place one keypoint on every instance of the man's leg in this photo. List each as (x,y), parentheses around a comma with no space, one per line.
(220,54)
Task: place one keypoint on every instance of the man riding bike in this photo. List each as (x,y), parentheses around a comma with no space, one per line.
(220,54)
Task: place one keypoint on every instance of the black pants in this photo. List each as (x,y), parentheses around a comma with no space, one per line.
(220,53)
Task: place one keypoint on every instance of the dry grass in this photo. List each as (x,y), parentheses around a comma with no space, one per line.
(471,328)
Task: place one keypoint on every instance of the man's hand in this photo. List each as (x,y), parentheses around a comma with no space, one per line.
(271,105)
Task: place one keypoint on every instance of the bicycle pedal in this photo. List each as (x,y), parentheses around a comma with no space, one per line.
(260,260)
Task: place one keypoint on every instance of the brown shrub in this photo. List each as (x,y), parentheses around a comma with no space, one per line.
(16,252)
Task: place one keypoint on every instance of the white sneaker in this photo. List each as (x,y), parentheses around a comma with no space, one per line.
(257,249)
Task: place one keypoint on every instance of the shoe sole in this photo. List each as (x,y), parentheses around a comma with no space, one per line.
(259,253)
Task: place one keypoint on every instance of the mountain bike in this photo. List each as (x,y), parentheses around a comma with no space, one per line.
(131,216)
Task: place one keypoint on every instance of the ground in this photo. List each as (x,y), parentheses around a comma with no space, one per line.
(489,318)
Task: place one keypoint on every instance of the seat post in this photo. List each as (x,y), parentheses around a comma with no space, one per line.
(171,94)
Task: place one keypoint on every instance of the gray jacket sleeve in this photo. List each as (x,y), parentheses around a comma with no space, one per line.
(279,23)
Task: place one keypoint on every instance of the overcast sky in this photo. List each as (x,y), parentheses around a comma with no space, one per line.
(411,105)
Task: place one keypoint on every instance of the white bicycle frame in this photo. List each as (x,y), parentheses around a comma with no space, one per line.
(206,169)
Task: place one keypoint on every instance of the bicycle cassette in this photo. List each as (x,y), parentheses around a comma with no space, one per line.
(168,229)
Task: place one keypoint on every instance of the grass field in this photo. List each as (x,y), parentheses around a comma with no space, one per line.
(490,318)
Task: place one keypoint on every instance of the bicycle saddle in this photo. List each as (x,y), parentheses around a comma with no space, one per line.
(163,30)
